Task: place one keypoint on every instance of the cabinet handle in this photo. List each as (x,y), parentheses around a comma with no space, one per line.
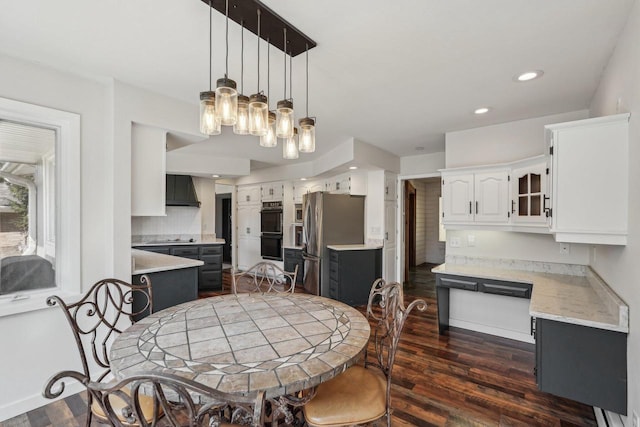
(248,230)
(476,207)
(470,207)
(337,185)
(386,235)
(544,205)
(386,190)
(248,197)
(513,206)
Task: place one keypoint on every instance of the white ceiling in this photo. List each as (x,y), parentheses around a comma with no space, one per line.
(395,74)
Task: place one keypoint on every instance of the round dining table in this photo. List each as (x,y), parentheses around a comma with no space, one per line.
(276,343)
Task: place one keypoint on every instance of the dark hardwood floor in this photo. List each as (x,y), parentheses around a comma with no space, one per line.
(462,378)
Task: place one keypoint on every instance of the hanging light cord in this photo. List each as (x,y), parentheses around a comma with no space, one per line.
(210,42)
(307,57)
(226,60)
(268,71)
(258,51)
(284,49)
(242,58)
(290,76)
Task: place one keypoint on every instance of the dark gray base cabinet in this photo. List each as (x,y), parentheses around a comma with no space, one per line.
(169,288)
(209,274)
(293,257)
(351,274)
(582,363)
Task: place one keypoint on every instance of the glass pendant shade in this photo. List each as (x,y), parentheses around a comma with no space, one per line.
(258,115)
(307,143)
(242,122)
(209,122)
(269,139)
(284,119)
(290,146)
(227,101)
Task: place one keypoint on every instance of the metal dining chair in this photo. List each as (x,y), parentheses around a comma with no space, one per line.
(264,277)
(107,308)
(361,395)
(182,401)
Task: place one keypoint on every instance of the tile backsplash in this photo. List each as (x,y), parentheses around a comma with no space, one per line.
(179,220)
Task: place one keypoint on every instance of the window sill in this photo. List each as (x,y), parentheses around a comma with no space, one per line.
(31,301)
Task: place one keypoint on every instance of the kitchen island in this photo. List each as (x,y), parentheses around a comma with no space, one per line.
(352,270)
(579,324)
(174,280)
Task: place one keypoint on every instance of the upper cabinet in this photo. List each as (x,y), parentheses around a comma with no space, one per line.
(480,197)
(249,194)
(303,187)
(590,180)
(272,192)
(530,201)
(390,186)
(347,183)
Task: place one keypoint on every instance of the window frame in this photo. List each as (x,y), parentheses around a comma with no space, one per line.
(68,203)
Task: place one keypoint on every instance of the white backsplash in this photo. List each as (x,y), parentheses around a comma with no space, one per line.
(179,220)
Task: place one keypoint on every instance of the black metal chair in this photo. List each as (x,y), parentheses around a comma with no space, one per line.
(264,277)
(109,307)
(360,395)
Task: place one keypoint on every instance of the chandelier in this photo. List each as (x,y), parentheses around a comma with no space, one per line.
(251,115)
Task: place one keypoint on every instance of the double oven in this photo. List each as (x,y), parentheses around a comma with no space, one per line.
(271,231)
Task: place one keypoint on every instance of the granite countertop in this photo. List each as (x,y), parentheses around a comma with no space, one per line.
(151,262)
(293,247)
(171,239)
(354,247)
(582,300)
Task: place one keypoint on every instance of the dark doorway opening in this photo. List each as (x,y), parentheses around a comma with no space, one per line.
(223,224)
(409,228)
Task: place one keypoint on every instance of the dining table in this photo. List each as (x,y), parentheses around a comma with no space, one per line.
(277,343)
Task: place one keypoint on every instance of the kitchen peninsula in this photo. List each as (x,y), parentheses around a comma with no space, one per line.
(579,324)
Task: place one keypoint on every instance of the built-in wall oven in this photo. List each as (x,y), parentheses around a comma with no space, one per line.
(271,231)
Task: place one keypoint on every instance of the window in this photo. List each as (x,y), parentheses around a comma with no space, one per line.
(39,223)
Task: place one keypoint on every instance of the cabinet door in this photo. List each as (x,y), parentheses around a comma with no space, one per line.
(272,192)
(248,252)
(248,195)
(298,190)
(529,196)
(457,198)
(248,221)
(390,186)
(390,241)
(491,197)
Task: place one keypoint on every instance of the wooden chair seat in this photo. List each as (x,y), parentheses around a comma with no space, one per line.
(356,396)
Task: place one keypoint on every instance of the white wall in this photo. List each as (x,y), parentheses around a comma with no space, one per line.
(422,164)
(38,344)
(206,192)
(421,220)
(179,220)
(619,91)
(434,249)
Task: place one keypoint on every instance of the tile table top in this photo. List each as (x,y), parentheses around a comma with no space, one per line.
(238,344)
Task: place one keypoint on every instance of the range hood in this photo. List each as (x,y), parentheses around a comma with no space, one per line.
(180,191)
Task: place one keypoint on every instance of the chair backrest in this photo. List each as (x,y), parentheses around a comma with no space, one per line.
(264,277)
(182,402)
(109,307)
(390,318)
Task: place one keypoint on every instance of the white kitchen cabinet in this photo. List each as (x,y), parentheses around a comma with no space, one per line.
(530,202)
(303,187)
(390,186)
(590,180)
(390,241)
(248,235)
(347,183)
(249,194)
(148,169)
(478,197)
(272,192)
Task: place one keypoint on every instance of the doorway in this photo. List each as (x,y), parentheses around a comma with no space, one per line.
(223,224)
(409,228)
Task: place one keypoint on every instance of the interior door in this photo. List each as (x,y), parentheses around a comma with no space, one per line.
(409,228)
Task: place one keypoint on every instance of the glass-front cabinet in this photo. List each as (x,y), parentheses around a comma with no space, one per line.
(529,198)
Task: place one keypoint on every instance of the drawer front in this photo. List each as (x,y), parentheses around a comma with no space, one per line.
(212,260)
(467,285)
(334,271)
(185,252)
(211,250)
(519,290)
(333,255)
(157,249)
(210,280)
(333,289)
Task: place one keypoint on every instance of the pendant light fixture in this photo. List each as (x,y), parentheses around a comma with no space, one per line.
(209,122)
(258,103)
(269,139)
(226,94)
(284,117)
(290,146)
(242,122)
(307,142)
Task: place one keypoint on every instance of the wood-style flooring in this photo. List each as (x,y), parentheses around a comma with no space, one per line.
(462,378)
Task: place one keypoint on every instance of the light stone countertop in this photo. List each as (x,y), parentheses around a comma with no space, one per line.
(354,247)
(171,239)
(581,300)
(151,262)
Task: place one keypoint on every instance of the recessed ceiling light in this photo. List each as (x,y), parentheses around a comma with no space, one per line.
(528,76)
(215,176)
(482,110)
(303,179)
(353,167)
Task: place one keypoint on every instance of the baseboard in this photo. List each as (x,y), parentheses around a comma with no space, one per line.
(30,403)
(607,418)
(491,330)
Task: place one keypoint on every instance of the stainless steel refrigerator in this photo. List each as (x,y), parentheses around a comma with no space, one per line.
(328,219)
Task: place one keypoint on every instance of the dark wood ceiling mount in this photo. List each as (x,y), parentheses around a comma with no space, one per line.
(271,24)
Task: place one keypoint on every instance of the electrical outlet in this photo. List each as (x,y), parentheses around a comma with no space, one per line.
(471,240)
(636,420)
(565,248)
(454,242)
